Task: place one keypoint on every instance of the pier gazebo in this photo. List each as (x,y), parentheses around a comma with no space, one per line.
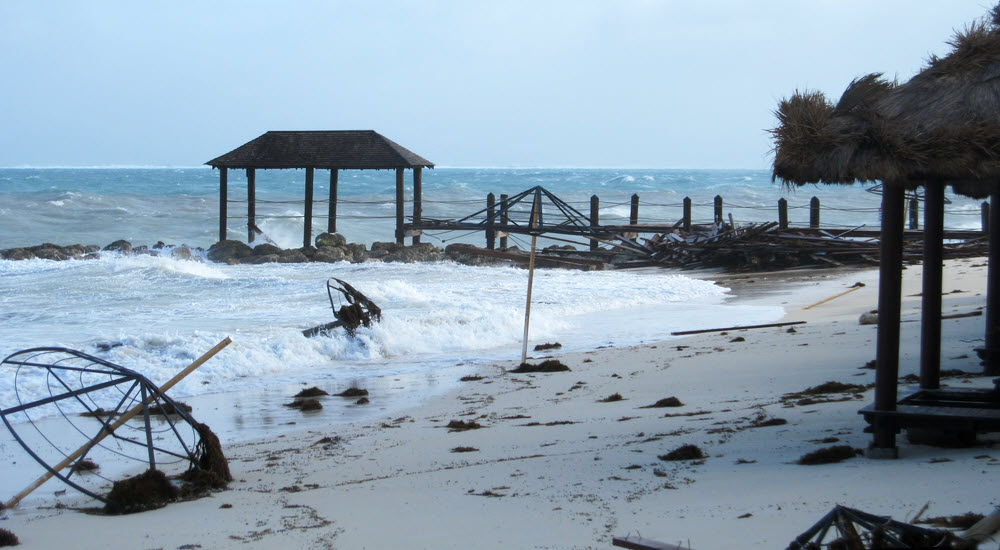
(326,150)
(939,129)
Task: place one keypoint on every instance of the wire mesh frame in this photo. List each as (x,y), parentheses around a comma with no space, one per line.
(140,392)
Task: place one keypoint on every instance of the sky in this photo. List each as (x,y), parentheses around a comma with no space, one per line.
(533,83)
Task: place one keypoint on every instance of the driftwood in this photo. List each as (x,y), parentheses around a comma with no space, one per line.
(764,246)
(358,310)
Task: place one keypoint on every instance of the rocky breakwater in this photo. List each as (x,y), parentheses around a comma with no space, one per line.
(330,248)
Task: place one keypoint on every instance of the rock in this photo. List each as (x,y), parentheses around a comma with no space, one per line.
(358,252)
(869,318)
(18,254)
(160,245)
(268,259)
(142,250)
(330,254)
(330,239)
(266,249)
(423,252)
(380,249)
(181,253)
(224,251)
(294,256)
(51,254)
(122,246)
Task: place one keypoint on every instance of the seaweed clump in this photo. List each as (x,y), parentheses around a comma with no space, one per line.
(7,538)
(665,402)
(551,365)
(353,392)
(146,491)
(828,455)
(311,392)
(462,425)
(84,465)
(305,404)
(612,398)
(169,407)
(684,452)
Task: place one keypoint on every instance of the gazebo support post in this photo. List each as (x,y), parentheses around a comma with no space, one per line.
(251,204)
(930,323)
(887,345)
(418,204)
(223,201)
(307,230)
(399,206)
(990,363)
(331,220)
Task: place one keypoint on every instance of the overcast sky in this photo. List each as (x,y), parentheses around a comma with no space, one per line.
(614,83)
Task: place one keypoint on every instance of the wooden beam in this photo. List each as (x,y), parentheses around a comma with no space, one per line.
(399,206)
(251,204)
(744,327)
(930,309)
(331,220)
(418,202)
(889,300)
(223,201)
(307,229)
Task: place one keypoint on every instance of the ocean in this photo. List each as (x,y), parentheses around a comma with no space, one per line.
(155,314)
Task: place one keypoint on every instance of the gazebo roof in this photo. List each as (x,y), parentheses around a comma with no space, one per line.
(339,149)
(943,124)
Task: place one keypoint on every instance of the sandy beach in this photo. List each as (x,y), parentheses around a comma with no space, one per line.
(556,464)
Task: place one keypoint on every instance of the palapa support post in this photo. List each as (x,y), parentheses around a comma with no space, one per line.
(914,213)
(889,301)
(930,322)
(718,209)
(418,201)
(984,214)
(251,204)
(223,201)
(399,206)
(990,363)
(595,219)
(814,213)
(687,215)
(307,229)
(633,215)
(782,213)
(331,220)
(491,212)
(535,216)
(504,218)
(105,432)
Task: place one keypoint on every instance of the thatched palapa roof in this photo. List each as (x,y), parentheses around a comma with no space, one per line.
(943,124)
(341,149)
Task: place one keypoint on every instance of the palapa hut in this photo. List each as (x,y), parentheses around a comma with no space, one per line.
(942,128)
(332,150)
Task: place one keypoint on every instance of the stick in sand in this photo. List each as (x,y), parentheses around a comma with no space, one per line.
(118,423)
(531,277)
(848,291)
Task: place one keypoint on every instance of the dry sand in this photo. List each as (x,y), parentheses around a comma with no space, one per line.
(555,467)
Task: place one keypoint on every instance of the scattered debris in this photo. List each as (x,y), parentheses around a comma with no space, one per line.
(358,310)
(852,288)
(612,398)
(960,522)
(146,491)
(471,378)
(311,392)
(464,450)
(462,425)
(547,346)
(684,452)
(84,465)
(765,422)
(551,365)
(305,404)
(857,530)
(97,413)
(828,455)
(353,392)
(665,402)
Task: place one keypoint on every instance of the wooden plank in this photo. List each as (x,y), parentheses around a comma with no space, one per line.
(769,325)
(639,543)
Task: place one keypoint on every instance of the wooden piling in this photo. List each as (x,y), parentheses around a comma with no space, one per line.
(633,216)
(251,204)
(331,220)
(992,367)
(595,218)
(687,214)
(930,309)
(399,206)
(814,213)
(504,218)
(418,201)
(223,201)
(491,212)
(782,214)
(307,229)
(984,212)
(718,209)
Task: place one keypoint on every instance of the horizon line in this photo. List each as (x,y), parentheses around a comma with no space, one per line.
(447,167)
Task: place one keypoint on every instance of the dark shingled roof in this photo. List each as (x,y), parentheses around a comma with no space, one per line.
(340,149)
(944,124)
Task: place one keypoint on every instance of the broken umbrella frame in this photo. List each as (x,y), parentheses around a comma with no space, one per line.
(359,309)
(74,377)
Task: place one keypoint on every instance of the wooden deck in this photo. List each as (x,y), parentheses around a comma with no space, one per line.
(960,410)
